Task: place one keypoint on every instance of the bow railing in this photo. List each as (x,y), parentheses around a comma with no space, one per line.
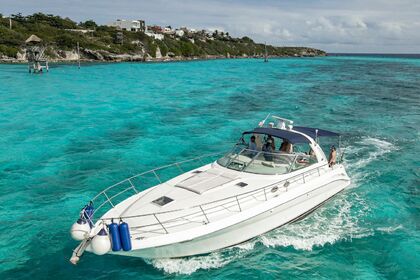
(115,193)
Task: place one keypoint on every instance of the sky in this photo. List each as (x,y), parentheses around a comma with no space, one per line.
(358,26)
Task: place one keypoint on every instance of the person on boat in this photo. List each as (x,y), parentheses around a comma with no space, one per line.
(259,142)
(268,149)
(286,147)
(273,144)
(289,148)
(283,144)
(333,156)
(252,146)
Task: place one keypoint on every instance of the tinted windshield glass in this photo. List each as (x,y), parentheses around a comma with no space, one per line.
(261,162)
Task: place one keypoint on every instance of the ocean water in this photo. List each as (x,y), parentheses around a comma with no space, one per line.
(68,134)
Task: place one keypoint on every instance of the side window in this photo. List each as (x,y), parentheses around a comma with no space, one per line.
(301,161)
(304,157)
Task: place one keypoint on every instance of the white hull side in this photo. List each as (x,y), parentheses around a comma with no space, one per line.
(247,229)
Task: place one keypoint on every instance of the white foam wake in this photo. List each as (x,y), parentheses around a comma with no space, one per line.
(189,265)
(339,220)
(360,154)
(365,151)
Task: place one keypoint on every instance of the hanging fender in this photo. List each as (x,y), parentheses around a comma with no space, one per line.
(115,236)
(125,236)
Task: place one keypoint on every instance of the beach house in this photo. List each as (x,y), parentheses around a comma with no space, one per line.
(129,25)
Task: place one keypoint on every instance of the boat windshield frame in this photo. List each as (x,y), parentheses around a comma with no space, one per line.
(260,162)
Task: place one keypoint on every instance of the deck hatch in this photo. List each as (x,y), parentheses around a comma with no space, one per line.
(242,184)
(161,201)
(206,180)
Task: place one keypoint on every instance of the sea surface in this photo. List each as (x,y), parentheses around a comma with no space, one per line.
(67,134)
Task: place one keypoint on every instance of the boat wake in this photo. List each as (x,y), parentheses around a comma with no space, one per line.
(339,220)
(360,154)
(191,264)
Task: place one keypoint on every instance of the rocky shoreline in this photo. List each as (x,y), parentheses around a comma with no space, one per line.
(87,55)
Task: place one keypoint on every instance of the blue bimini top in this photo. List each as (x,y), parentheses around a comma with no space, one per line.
(288,135)
(312,132)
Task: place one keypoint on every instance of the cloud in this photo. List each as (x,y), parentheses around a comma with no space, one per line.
(346,26)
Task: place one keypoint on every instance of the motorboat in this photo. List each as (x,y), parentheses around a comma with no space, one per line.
(215,201)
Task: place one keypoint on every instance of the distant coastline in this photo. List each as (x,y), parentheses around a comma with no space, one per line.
(378,55)
(127,41)
(149,60)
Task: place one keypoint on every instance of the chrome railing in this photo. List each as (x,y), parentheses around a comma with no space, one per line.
(128,184)
(163,222)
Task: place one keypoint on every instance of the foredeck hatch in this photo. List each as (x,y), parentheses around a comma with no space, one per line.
(161,201)
(206,180)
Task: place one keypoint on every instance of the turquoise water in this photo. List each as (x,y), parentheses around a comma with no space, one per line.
(68,134)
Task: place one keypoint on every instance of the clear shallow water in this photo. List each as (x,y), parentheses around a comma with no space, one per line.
(68,134)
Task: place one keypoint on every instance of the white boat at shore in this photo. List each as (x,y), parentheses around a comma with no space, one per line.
(251,190)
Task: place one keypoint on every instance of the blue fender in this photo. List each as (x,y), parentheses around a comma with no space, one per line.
(88,212)
(115,236)
(125,236)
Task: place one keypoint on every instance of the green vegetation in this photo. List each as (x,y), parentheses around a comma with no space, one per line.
(62,34)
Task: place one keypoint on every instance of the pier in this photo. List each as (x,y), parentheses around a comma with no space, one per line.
(37,62)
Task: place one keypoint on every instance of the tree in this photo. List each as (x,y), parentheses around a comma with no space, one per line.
(18,17)
(246,39)
(66,41)
(90,24)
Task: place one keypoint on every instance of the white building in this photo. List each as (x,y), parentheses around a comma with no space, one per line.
(179,32)
(154,35)
(167,30)
(129,25)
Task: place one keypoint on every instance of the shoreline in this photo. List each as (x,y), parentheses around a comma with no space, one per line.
(153,60)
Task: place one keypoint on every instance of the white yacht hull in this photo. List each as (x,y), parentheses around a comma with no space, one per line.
(251,190)
(303,199)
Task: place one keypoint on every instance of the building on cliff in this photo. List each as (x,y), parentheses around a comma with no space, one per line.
(129,25)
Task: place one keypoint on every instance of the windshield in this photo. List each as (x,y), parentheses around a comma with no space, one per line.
(267,163)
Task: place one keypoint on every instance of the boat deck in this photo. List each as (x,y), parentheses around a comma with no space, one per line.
(225,195)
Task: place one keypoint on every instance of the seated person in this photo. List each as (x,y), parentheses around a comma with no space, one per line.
(282,146)
(252,146)
(333,157)
(258,141)
(286,147)
(268,149)
(273,145)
